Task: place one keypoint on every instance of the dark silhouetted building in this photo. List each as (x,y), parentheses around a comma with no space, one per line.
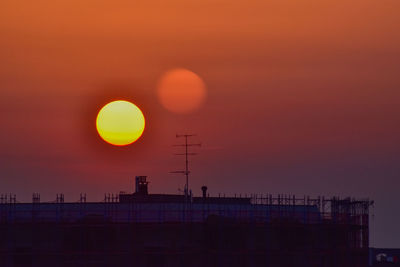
(143,229)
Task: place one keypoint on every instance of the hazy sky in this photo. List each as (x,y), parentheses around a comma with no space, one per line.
(303,97)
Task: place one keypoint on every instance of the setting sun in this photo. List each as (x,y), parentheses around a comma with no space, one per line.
(120,123)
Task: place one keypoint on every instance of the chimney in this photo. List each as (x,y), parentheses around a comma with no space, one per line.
(141,185)
(204,189)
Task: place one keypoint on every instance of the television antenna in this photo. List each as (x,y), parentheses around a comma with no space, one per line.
(186,172)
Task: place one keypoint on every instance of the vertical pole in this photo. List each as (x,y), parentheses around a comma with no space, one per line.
(186,172)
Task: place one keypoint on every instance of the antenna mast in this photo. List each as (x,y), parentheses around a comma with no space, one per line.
(186,154)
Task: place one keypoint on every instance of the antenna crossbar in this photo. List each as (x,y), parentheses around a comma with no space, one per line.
(186,172)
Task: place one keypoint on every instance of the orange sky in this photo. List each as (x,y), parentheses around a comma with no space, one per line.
(303,97)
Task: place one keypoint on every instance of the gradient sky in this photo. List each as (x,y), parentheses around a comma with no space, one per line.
(303,98)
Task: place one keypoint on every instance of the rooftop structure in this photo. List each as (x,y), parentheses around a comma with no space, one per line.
(169,230)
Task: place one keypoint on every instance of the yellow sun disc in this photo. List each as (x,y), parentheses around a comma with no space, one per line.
(120,123)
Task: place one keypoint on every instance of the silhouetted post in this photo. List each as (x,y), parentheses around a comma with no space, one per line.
(204,189)
(186,154)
